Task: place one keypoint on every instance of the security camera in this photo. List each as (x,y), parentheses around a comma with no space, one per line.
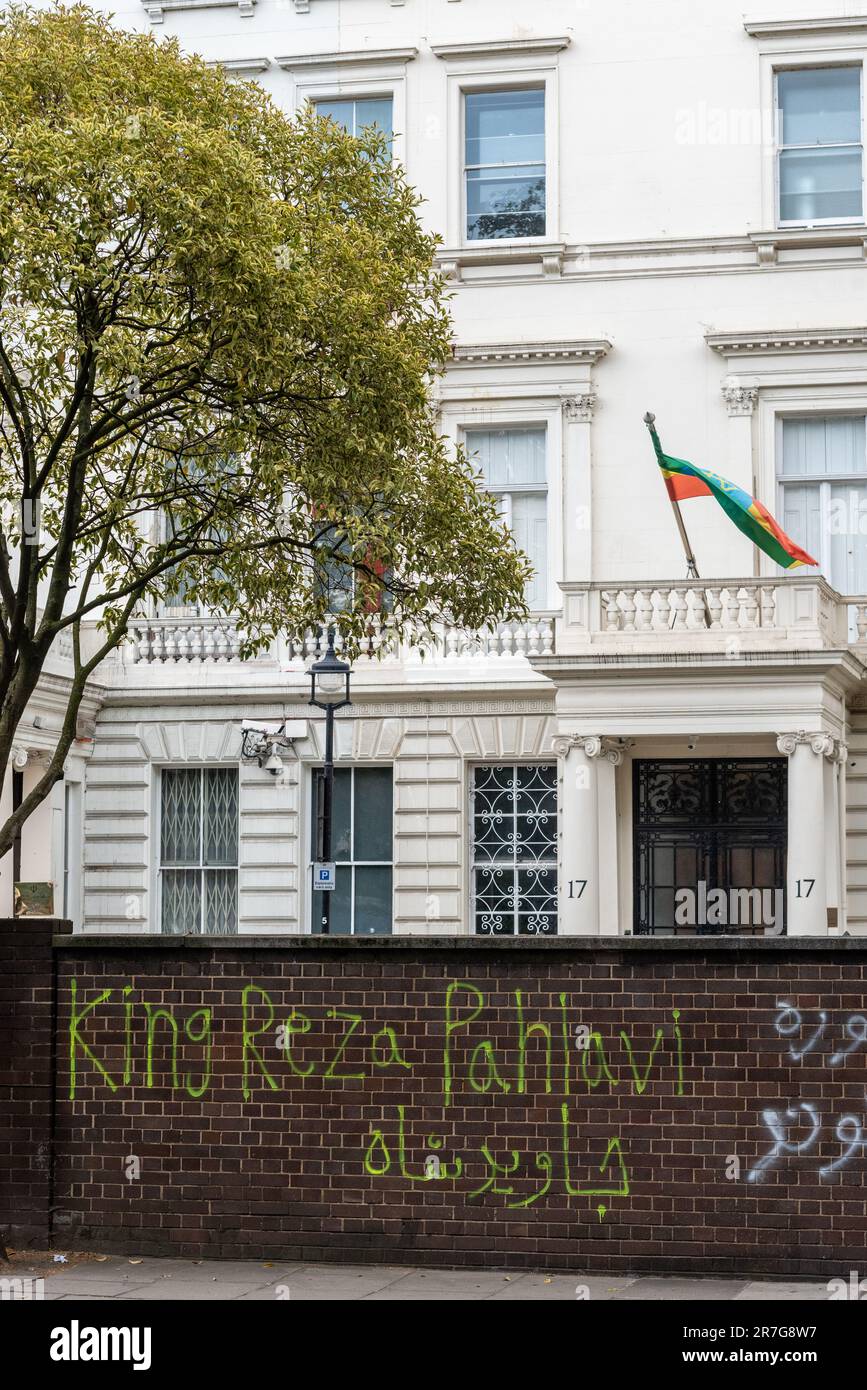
(273,763)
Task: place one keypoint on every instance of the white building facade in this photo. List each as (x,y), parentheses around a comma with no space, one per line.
(642,207)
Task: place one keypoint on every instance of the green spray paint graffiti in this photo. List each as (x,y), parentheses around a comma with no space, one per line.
(518,1056)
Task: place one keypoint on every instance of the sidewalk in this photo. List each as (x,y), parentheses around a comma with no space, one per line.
(122,1280)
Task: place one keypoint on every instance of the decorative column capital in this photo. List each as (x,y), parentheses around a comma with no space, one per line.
(823,745)
(592,746)
(580,408)
(740,400)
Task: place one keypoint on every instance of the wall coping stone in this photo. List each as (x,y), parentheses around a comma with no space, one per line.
(558,945)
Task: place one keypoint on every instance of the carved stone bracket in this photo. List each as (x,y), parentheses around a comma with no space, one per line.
(580,408)
(740,400)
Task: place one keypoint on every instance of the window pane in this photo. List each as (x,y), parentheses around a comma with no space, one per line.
(493,813)
(495,901)
(820,106)
(802,519)
(373,814)
(220,844)
(221,901)
(529,527)
(373,111)
(341,906)
(341,846)
(821,445)
(505,127)
(848,541)
(509,458)
(180,818)
(537,902)
(819,183)
(181,898)
(373,901)
(340,112)
(536,807)
(510,203)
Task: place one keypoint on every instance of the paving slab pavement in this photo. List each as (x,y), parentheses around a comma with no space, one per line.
(164,1280)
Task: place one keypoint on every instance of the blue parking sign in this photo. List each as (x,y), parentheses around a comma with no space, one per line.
(323,878)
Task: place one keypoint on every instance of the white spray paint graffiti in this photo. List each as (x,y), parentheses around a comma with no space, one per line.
(849,1128)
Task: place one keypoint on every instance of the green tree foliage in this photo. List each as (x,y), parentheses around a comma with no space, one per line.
(218,327)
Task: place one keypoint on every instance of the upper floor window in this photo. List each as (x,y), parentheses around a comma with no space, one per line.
(355,114)
(821,145)
(513,465)
(199,850)
(823,481)
(504,164)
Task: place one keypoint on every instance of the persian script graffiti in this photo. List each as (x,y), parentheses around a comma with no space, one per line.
(797,1130)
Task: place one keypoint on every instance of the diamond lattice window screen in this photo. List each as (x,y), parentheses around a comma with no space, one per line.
(199,850)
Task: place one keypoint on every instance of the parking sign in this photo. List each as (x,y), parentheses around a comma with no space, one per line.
(323,878)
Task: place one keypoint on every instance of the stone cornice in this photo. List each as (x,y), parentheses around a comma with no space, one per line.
(530,354)
(156,10)
(500,48)
(238,66)
(801,340)
(788,28)
(377,57)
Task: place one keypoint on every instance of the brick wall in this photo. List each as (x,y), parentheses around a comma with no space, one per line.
(27,1081)
(408,1112)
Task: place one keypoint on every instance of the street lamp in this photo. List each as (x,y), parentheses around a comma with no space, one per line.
(329,691)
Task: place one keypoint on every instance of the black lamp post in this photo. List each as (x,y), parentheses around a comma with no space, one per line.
(329,691)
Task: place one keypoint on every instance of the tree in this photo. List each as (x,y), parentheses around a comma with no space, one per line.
(218,327)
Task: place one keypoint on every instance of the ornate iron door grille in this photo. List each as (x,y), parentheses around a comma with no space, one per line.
(720,821)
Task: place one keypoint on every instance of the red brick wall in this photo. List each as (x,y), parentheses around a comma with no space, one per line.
(618,1163)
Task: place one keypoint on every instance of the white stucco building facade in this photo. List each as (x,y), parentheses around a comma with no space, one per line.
(642,207)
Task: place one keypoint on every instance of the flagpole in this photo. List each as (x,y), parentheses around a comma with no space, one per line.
(691,566)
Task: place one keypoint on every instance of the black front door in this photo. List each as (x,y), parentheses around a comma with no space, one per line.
(717,822)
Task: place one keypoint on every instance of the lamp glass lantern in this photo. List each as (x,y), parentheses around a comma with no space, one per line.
(329,680)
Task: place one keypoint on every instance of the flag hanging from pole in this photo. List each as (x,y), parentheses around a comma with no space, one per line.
(684,480)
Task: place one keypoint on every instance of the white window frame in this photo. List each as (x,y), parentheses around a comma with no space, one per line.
(466,430)
(780,147)
(786,53)
(501,74)
(824,481)
(354,76)
(160,769)
(496,88)
(795,401)
(473,864)
(529,414)
(350,863)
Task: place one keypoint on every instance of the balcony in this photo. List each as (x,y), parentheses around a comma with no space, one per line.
(725,615)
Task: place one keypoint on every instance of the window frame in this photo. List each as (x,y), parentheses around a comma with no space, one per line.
(473,865)
(201,867)
(356,79)
(489,89)
(314,769)
(780,148)
(472,427)
(355,98)
(500,73)
(824,481)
